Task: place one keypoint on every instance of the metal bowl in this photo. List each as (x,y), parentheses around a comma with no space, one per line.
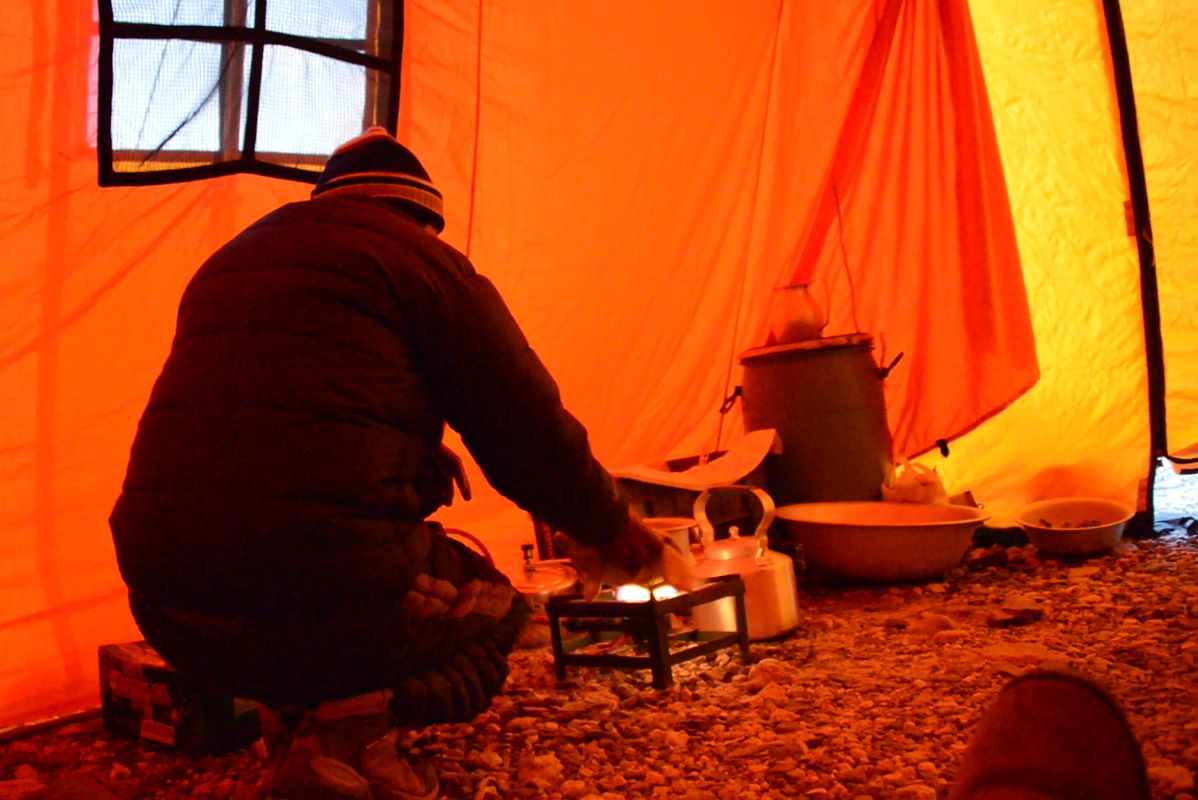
(1074,525)
(878,541)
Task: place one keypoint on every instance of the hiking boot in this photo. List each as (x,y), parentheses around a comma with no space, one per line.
(347,749)
(1052,735)
(278,730)
(397,778)
(320,778)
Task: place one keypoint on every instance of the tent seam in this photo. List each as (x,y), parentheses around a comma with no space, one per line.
(478,106)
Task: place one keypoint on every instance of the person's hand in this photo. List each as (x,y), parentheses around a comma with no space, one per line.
(451,462)
(435,484)
(636,554)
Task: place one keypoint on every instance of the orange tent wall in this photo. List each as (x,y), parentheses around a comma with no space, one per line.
(1083,428)
(632,271)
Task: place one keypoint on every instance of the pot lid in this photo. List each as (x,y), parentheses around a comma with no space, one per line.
(670,524)
(545,578)
(732,548)
(714,568)
(859,340)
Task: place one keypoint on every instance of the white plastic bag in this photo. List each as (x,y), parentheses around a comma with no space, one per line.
(913,483)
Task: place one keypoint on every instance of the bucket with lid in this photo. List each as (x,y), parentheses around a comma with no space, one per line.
(825,399)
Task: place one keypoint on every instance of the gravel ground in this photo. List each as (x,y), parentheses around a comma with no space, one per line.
(873,697)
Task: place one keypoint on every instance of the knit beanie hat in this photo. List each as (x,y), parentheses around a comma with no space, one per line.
(375,164)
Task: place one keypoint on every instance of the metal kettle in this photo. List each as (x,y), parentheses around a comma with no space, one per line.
(795,315)
(771,598)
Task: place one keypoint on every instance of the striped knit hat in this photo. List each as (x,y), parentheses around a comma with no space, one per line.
(376,165)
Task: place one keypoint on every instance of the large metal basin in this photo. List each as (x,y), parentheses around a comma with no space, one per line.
(880,541)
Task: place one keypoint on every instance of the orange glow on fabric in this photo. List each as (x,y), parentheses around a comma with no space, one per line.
(913,231)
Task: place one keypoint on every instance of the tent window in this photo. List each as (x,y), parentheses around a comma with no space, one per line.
(192,89)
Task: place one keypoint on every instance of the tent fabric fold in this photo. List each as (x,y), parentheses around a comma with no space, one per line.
(912,231)
(637,178)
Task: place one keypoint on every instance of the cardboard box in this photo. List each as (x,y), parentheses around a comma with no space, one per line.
(143,698)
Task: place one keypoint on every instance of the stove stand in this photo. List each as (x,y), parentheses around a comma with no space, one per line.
(648,623)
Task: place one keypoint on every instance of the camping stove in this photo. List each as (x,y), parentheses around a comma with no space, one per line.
(632,635)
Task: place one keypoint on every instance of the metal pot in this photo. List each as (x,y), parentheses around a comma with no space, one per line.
(537,582)
(540,580)
(682,531)
(771,599)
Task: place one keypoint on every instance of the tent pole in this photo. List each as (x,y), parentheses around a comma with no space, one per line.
(1142,523)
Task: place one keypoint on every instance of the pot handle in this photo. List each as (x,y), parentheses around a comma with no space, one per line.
(760,535)
(706,529)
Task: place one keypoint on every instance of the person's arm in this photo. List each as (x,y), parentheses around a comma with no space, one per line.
(496,393)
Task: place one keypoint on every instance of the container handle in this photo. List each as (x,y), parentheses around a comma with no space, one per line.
(730,400)
(471,539)
(884,371)
(706,529)
(760,535)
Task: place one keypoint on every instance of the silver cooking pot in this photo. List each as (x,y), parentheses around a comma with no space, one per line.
(682,531)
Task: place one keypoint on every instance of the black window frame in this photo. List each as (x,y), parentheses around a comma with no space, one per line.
(236,38)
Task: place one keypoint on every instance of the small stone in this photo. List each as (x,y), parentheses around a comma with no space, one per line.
(700,794)
(23,749)
(573,788)
(773,693)
(1083,573)
(931,624)
(1176,777)
(21,789)
(1019,652)
(771,670)
(915,757)
(1016,611)
(520,723)
(915,791)
(824,623)
(993,556)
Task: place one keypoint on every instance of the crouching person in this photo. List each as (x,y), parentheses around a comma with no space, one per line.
(273,526)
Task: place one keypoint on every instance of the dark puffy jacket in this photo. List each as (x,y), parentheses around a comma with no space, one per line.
(282,457)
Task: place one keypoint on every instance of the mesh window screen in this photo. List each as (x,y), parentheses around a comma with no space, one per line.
(192,89)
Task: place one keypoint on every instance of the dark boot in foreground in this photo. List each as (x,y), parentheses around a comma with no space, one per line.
(1052,736)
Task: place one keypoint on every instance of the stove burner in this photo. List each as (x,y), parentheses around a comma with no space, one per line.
(648,623)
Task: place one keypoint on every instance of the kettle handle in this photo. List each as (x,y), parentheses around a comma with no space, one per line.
(707,530)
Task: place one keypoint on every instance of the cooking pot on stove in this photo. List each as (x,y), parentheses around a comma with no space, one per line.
(682,531)
(545,579)
(538,582)
(771,599)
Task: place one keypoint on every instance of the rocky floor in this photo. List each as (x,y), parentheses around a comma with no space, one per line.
(873,697)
